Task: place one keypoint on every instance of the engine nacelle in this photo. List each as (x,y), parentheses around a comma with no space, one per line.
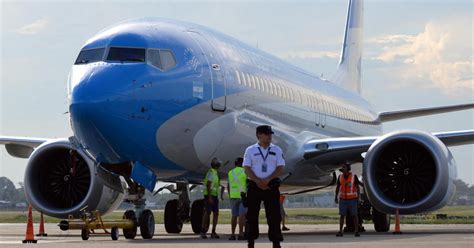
(59,182)
(412,171)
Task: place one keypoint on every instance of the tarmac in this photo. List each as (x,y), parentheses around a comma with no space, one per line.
(455,235)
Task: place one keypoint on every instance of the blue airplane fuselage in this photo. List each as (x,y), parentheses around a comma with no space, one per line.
(174,121)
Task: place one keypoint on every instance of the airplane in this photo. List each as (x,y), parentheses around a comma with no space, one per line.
(155,100)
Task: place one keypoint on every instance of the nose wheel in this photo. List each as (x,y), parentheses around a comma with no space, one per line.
(147,224)
(143,218)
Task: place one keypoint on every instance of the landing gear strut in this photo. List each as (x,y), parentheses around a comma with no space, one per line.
(143,218)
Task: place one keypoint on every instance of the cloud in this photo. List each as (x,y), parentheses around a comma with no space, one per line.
(439,56)
(311,54)
(34,27)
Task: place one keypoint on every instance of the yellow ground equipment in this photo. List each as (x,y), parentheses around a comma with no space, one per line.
(91,221)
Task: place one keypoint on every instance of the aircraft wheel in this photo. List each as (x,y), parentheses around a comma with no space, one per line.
(197,210)
(132,232)
(147,224)
(172,222)
(381,221)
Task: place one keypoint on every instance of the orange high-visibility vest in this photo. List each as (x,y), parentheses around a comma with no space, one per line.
(348,189)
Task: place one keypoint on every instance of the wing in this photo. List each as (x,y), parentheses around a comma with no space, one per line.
(411,113)
(21,147)
(339,150)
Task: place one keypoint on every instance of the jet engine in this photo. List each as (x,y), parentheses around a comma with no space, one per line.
(60,181)
(411,171)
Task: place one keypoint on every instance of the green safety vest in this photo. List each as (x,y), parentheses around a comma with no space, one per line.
(214,184)
(237,182)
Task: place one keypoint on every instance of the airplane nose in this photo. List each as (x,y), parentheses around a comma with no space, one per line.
(93,110)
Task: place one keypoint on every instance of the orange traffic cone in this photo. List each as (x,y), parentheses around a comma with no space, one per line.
(397,223)
(41,228)
(29,237)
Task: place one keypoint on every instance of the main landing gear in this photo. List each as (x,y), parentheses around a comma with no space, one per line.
(178,211)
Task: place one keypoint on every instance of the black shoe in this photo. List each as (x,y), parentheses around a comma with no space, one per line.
(232,237)
(214,236)
(339,234)
(203,236)
(356,234)
(285,228)
(276,244)
(241,237)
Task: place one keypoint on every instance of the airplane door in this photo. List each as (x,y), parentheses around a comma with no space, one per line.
(217,73)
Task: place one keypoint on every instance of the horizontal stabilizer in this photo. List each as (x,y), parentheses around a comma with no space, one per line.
(411,113)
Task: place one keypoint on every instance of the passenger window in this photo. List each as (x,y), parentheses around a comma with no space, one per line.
(89,56)
(126,54)
(238,77)
(167,59)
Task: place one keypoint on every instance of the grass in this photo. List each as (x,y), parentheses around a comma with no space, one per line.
(455,214)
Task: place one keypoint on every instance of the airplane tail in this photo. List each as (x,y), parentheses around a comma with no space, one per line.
(348,74)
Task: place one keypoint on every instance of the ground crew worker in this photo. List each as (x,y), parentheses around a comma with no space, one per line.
(283,213)
(264,163)
(237,185)
(347,196)
(211,200)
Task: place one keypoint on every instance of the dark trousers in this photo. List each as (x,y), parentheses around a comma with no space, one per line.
(271,201)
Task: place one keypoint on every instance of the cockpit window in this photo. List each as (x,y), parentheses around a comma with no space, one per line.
(89,56)
(153,58)
(126,54)
(163,59)
(167,59)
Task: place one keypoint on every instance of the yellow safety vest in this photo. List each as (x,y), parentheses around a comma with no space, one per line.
(237,182)
(214,184)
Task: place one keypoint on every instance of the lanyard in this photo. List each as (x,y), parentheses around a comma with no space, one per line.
(261,153)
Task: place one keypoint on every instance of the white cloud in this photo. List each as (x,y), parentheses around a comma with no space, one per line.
(310,54)
(34,27)
(441,54)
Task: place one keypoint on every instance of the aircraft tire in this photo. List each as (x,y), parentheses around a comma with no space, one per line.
(147,224)
(172,222)
(197,210)
(381,221)
(132,232)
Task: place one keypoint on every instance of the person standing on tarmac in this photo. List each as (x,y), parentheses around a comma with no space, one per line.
(236,187)
(347,196)
(283,213)
(211,200)
(264,163)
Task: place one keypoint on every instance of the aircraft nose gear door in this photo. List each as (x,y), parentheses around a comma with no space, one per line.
(217,73)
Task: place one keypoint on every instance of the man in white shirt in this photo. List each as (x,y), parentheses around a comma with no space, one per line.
(264,163)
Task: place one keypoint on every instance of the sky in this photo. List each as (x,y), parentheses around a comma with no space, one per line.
(417,53)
